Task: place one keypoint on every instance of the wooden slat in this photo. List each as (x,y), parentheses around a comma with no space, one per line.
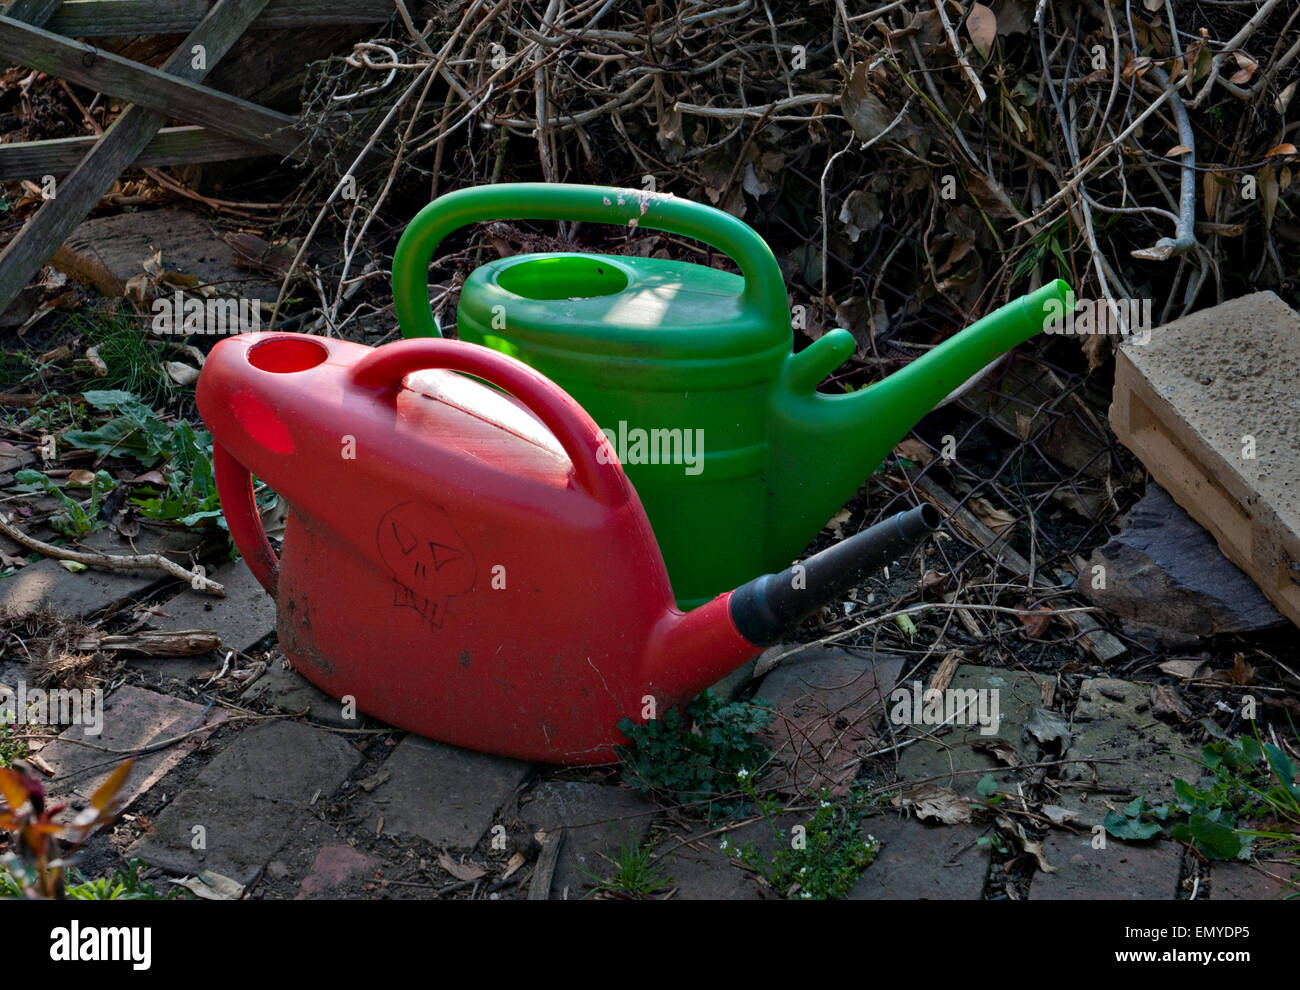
(125,138)
(77,62)
(171,146)
(111,18)
(36,12)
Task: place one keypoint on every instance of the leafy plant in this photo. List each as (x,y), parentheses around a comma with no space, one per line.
(635,873)
(12,745)
(1247,783)
(122,885)
(75,519)
(696,758)
(825,859)
(37,869)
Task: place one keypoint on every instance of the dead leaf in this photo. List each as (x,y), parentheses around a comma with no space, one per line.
(148,478)
(1242,673)
(1166,700)
(837,522)
(1176,150)
(368,784)
(1284,98)
(1036,624)
(982,26)
(933,581)
(212,886)
(1059,815)
(461,871)
(999,749)
(181,374)
(1268,185)
(97,364)
(516,861)
(914,450)
(1050,730)
(994,518)
(941,804)
(1185,669)
(1246,69)
(1280,149)
(81,476)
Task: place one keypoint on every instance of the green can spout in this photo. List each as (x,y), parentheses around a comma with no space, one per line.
(824,446)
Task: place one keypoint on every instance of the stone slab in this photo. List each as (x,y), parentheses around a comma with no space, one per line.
(1107,724)
(133,718)
(597,820)
(829,703)
(949,754)
(1168,582)
(445,795)
(92,589)
(245,616)
(1119,872)
(1185,401)
(288,691)
(253,797)
(917,861)
(1247,882)
(106,252)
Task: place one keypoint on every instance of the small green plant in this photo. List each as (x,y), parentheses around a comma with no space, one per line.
(822,861)
(1248,793)
(12,744)
(122,885)
(132,359)
(635,875)
(696,759)
(189,495)
(74,519)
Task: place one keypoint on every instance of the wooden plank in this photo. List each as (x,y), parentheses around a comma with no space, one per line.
(115,18)
(125,138)
(170,146)
(157,90)
(36,12)
(1208,406)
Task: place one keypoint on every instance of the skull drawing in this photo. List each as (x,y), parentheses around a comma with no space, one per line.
(429,560)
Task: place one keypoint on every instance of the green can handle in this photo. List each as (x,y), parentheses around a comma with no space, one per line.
(764,290)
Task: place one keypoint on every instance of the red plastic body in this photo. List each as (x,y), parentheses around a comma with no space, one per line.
(457,560)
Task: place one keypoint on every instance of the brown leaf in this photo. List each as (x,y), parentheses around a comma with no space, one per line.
(1036,625)
(982,26)
(933,581)
(999,749)
(994,518)
(1176,150)
(461,871)
(106,791)
(148,478)
(942,804)
(1242,673)
(516,861)
(80,476)
(1185,669)
(914,450)
(1166,700)
(1280,149)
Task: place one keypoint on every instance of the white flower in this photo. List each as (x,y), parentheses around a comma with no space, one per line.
(742,773)
(825,804)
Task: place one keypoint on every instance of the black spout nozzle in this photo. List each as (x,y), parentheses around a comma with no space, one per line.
(768,607)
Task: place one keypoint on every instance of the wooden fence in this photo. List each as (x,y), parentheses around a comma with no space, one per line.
(216,126)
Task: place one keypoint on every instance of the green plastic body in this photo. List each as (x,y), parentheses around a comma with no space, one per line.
(700,355)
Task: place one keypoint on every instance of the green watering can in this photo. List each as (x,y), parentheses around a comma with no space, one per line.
(689,371)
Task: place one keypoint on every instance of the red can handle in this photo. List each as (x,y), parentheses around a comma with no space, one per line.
(383,369)
(581,438)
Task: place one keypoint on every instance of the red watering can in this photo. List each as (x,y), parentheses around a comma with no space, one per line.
(461,561)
